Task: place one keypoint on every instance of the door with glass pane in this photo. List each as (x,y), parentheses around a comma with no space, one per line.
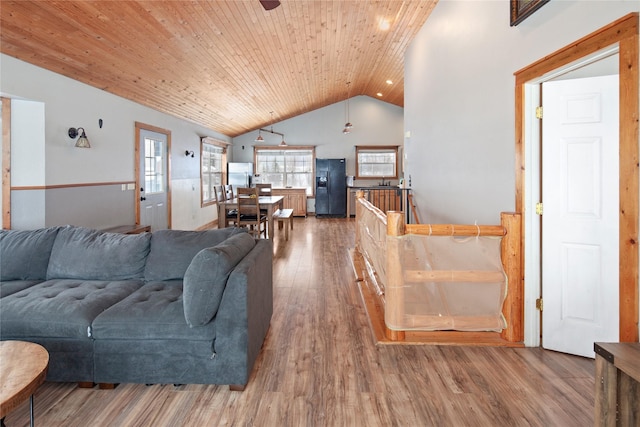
(153,179)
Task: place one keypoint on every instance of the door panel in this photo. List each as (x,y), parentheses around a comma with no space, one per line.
(580,220)
(154,179)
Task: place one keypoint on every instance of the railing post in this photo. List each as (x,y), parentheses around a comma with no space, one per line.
(394,288)
(511,253)
(359,195)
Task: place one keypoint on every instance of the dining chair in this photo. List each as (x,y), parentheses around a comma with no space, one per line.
(218,192)
(264,189)
(228,191)
(221,195)
(249,214)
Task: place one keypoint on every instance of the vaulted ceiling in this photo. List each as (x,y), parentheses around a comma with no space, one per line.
(228,65)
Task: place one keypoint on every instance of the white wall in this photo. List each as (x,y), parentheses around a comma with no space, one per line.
(68,103)
(459,99)
(374,123)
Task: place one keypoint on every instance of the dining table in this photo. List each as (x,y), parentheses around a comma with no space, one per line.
(271,204)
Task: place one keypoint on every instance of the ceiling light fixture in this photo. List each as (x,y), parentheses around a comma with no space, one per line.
(261,139)
(383,24)
(83,141)
(347,125)
(269,5)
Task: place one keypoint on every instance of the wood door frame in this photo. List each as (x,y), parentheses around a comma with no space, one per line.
(6,162)
(624,33)
(142,126)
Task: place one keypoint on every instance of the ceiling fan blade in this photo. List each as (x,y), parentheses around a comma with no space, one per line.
(268,4)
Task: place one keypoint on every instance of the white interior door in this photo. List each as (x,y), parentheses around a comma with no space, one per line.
(153,179)
(580,196)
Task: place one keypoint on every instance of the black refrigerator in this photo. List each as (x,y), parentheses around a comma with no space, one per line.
(331,188)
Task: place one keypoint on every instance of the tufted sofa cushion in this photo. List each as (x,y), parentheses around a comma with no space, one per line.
(60,308)
(24,254)
(153,312)
(172,250)
(83,253)
(13,286)
(206,277)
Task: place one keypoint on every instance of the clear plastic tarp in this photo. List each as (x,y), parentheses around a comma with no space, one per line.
(445,283)
(372,242)
(431,283)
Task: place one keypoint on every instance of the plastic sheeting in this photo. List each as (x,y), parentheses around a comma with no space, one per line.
(445,283)
(431,283)
(372,242)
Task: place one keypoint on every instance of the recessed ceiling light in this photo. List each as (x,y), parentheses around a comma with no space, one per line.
(379,94)
(383,24)
(389,82)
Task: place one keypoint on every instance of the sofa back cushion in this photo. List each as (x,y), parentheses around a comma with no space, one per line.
(206,277)
(172,250)
(24,254)
(83,253)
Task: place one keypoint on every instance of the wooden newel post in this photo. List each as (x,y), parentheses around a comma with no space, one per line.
(513,307)
(359,195)
(396,227)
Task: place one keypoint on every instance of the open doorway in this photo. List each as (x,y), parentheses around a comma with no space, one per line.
(621,36)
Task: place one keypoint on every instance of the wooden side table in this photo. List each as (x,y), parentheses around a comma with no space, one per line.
(23,367)
(129,229)
(617,398)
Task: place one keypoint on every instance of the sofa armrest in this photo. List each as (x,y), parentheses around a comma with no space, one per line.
(245,312)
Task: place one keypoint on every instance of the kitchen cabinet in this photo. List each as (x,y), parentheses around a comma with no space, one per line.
(294,198)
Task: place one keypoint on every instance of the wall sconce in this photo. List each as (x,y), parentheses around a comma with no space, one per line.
(83,141)
(189,153)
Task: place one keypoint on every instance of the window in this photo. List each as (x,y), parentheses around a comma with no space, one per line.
(213,168)
(288,167)
(153,166)
(376,161)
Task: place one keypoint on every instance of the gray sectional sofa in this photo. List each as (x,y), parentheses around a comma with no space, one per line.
(169,307)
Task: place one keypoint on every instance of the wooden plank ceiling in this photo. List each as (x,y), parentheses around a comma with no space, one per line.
(223,64)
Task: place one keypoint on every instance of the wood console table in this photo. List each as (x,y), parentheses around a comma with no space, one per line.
(23,367)
(617,399)
(129,229)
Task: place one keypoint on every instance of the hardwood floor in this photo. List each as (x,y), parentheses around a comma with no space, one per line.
(320,367)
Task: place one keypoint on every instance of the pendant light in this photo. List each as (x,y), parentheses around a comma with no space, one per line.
(347,125)
(270,130)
